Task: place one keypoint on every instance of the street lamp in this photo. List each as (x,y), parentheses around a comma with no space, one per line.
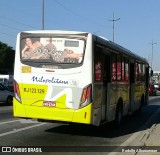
(113,20)
(152,43)
(42,14)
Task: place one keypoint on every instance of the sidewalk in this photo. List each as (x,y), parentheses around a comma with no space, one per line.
(146,140)
(150,141)
(154,136)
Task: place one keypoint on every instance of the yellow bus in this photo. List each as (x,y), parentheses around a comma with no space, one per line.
(76,77)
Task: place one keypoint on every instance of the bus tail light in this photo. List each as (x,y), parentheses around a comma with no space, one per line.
(17,91)
(86,95)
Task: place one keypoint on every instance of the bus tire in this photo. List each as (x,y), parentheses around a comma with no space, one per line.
(9,100)
(142,103)
(119,114)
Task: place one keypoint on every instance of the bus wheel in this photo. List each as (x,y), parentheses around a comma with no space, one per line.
(119,115)
(142,103)
(9,100)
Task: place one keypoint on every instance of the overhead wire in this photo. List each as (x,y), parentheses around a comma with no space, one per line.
(11,35)
(10,27)
(78,15)
(66,8)
(15,21)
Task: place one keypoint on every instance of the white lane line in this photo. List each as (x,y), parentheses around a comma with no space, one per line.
(21,121)
(22,129)
(9,122)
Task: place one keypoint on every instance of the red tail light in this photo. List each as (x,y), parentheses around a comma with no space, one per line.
(17,91)
(86,94)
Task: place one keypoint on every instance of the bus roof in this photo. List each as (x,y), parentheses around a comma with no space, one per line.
(119,48)
(54,31)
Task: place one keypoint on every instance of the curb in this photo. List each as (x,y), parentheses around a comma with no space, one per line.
(140,138)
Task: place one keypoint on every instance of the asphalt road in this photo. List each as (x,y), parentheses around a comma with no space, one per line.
(20,132)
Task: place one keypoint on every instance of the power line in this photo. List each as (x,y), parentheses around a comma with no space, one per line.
(10,27)
(15,21)
(11,35)
(78,15)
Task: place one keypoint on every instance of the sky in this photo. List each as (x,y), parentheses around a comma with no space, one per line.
(136,30)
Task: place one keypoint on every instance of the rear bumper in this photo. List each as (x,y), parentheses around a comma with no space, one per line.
(82,115)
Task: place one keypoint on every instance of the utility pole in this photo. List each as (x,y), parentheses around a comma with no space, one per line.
(42,14)
(152,43)
(113,20)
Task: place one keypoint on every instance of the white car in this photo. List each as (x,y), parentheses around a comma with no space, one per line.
(157,86)
(6,95)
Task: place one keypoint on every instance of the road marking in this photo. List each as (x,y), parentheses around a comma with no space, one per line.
(19,130)
(23,121)
(9,122)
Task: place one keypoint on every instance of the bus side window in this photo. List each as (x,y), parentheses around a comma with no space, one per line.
(114,67)
(119,68)
(98,64)
(126,70)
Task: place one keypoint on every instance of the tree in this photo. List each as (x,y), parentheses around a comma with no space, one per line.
(7,55)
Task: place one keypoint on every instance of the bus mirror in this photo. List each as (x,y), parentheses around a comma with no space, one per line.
(151,73)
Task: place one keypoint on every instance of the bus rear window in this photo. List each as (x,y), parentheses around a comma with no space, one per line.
(55,50)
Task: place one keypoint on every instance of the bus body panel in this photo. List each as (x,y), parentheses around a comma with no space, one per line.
(88,92)
(54,94)
(53,101)
(82,115)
